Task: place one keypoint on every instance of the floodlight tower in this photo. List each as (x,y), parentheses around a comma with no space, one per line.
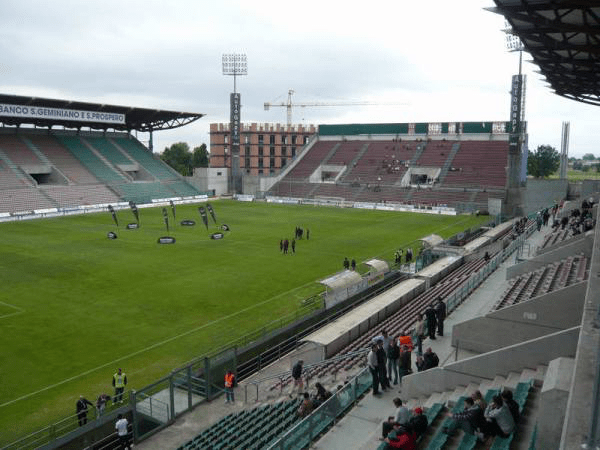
(235,64)
(517,140)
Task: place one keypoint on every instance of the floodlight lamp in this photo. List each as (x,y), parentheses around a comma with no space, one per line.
(235,64)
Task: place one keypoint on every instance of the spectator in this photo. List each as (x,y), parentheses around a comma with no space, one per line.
(306,407)
(431,320)
(103,399)
(381,365)
(406,341)
(346,263)
(499,421)
(385,338)
(405,439)
(401,417)
(440,315)
(477,397)
(419,334)
(372,363)
(513,407)
(297,381)
(430,359)
(420,364)
(353,264)
(418,422)
(404,361)
(393,354)
(82,409)
(321,396)
(467,420)
(122,432)
(229,384)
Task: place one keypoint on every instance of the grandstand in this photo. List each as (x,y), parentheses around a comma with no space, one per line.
(65,168)
(409,164)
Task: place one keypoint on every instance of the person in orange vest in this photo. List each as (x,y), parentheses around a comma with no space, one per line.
(229,382)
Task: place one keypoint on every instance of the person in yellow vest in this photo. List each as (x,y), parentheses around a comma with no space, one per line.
(119,381)
(229,382)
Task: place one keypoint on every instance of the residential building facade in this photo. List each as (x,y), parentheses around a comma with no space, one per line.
(265,148)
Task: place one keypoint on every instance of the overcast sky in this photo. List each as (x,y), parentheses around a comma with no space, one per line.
(436,60)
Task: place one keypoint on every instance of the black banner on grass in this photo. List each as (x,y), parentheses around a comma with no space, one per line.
(114,214)
(203,215)
(212,213)
(166,218)
(134,210)
(173,209)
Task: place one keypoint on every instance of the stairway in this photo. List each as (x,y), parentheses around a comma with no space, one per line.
(448,163)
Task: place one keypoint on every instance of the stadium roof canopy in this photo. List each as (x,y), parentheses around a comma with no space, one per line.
(564,39)
(19,110)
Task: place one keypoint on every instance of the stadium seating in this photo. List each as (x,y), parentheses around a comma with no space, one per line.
(61,158)
(107,149)
(136,151)
(546,279)
(248,429)
(311,160)
(90,160)
(471,172)
(479,163)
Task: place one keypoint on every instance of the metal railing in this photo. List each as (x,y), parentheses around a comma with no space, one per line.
(305,431)
(307,368)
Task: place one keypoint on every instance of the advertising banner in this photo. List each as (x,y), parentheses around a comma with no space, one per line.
(42,112)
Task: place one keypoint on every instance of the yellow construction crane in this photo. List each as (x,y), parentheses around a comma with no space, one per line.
(288,105)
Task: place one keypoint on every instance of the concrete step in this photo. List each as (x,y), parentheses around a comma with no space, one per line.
(512,380)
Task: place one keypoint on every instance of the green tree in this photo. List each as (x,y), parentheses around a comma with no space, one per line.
(588,157)
(544,162)
(200,156)
(179,157)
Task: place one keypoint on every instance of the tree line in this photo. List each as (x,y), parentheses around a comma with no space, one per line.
(183,160)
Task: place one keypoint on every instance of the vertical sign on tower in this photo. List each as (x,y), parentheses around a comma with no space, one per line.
(234,106)
(235,64)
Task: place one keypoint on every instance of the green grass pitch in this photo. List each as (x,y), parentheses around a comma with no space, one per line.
(74,305)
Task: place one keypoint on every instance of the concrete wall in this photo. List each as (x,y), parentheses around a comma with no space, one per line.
(582,243)
(579,244)
(210,178)
(487,366)
(590,188)
(582,405)
(537,317)
(553,397)
(543,193)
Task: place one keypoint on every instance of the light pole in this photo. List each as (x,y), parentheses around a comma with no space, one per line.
(235,64)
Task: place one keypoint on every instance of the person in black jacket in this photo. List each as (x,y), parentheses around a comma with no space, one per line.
(430,359)
(418,422)
(431,319)
(381,365)
(82,407)
(440,315)
(297,377)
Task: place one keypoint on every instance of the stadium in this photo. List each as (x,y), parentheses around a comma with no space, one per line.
(113,259)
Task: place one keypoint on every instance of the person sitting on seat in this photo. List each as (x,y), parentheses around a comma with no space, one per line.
(406,438)
(306,407)
(467,420)
(402,416)
(321,395)
(418,422)
(498,419)
(513,407)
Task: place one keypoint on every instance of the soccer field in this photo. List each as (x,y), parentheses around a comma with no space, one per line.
(74,305)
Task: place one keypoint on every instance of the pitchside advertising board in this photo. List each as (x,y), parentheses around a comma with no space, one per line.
(43,112)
